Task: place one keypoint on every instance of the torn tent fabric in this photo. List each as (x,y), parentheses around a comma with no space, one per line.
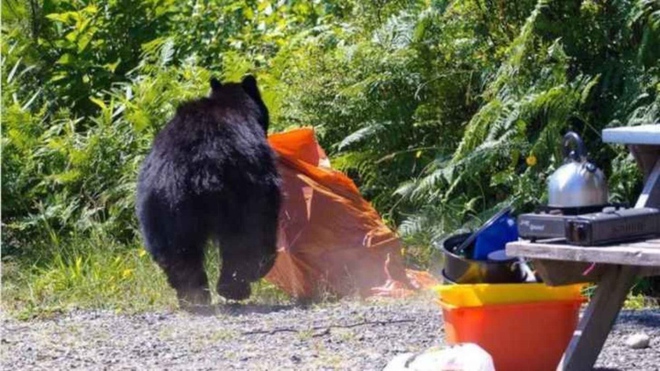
(330,239)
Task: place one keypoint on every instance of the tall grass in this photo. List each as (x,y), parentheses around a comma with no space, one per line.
(99,273)
(85,272)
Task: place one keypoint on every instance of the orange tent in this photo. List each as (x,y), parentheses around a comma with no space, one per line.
(331,240)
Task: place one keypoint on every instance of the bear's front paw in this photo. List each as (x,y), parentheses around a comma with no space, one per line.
(235,290)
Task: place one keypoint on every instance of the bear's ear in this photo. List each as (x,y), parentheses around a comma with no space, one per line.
(215,84)
(249,84)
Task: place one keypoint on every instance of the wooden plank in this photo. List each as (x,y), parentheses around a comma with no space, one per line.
(650,196)
(646,157)
(648,271)
(646,253)
(558,273)
(652,242)
(643,134)
(595,325)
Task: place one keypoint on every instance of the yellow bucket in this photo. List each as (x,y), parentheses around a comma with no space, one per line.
(475,295)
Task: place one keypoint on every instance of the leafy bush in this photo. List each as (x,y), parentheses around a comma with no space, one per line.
(552,79)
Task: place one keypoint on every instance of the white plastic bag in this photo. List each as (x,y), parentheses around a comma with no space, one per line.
(462,357)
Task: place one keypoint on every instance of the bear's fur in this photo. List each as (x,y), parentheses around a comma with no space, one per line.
(211,175)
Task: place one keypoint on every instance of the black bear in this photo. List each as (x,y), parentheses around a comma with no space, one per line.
(211,176)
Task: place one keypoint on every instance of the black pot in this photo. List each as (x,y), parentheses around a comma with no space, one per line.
(458,269)
(445,280)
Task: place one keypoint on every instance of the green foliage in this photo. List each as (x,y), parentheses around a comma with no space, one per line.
(81,48)
(65,175)
(552,79)
(442,111)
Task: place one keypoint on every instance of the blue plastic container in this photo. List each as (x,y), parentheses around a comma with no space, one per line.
(495,237)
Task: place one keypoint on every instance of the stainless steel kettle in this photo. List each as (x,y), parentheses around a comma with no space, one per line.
(577,183)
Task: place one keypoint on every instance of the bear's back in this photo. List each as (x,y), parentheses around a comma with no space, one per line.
(211,147)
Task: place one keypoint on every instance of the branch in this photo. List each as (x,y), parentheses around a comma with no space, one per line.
(325,330)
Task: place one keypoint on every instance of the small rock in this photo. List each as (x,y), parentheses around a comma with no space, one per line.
(638,341)
(374,356)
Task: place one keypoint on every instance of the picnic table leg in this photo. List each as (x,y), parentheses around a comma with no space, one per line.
(650,196)
(598,318)
(646,157)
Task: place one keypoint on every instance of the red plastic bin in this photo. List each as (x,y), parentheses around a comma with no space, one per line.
(523,336)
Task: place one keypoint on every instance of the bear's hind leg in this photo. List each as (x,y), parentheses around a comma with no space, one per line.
(176,242)
(185,273)
(246,258)
(231,283)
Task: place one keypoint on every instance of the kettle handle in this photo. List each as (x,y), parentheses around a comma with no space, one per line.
(581,151)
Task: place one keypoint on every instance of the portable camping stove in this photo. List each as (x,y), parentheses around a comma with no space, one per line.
(548,222)
(591,225)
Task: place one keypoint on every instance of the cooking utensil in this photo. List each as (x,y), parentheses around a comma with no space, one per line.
(459,250)
(577,182)
(460,270)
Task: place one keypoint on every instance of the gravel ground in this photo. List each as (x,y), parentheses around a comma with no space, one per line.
(355,335)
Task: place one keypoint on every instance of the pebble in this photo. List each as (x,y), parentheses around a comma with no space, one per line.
(638,341)
(176,341)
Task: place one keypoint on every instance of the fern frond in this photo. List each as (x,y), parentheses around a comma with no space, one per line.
(360,135)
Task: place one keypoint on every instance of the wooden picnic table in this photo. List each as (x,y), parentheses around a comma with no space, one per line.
(616,266)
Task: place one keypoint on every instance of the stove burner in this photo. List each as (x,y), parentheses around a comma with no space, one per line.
(555,210)
(548,222)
